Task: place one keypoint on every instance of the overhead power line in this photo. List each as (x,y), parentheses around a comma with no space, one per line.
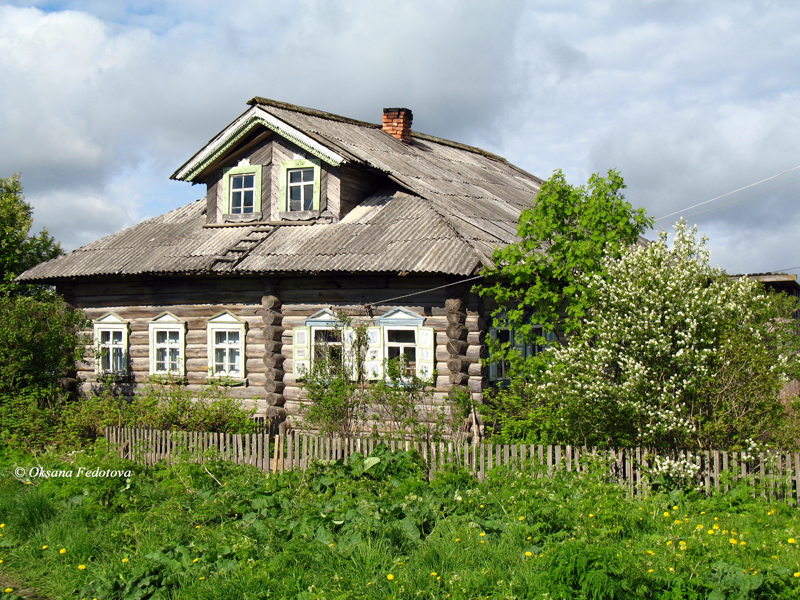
(729,193)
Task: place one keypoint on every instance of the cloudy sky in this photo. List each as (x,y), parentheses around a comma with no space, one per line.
(690,100)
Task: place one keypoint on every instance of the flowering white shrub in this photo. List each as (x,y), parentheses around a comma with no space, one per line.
(674,354)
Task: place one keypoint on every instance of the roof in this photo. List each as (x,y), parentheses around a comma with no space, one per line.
(448,207)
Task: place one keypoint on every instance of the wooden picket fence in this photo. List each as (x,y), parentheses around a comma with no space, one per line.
(773,475)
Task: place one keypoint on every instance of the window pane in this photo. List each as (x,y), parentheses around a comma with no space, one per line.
(503,335)
(237,182)
(308,197)
(105,362)
(249,181)
(104,337)
(174,337)
(233,337)
(402,336)
(161,337)
(174,358)
(233,359)
(236,202)
(220,337)
(116,337)
(308,174)
(117,362)
(295,176)
(248,202)
(161,359)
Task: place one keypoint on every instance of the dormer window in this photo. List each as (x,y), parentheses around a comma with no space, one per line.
(241,192)
(299,189)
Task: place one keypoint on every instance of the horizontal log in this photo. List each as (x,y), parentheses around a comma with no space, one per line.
(271,302)
(274,387)
(272,360)
(476,353)
(276,412)
(456,347)
(457,364)
(273,399)
(477,369)
(271,317)
(273,374)
(456,331)
(272,333)
(457,317)
(454,304)
(458,378)
(478,384)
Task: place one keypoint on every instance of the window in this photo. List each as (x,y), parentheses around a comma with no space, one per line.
(321,337)
(167,345)
(498,371)
(241,191)
(111,345)
(400,335)
(226,343)
(299,189)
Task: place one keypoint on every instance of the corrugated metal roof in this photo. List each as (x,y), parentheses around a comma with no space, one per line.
(460,203)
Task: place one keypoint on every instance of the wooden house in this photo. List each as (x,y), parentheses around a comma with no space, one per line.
(305,214)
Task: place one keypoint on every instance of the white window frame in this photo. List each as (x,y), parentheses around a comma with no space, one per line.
(227,322)
(111,323)
(228,174)
(167,322)
(289,166)
(400,319)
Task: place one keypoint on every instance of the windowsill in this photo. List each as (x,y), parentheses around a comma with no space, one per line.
(168,379)
(243,217)
(113,377)
(227,381)
(298,215)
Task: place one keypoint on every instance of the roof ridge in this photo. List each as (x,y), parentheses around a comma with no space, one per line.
(260,101)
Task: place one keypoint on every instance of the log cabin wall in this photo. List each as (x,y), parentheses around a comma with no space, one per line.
(272,307)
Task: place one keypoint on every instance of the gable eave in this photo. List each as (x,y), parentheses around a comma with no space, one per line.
(254,117)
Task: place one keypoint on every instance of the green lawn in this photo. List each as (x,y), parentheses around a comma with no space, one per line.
(377,529)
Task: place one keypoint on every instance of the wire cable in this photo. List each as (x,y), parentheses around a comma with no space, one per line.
(425,291)
(740,199)
(728,194)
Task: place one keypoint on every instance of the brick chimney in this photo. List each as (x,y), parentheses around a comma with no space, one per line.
(397,122)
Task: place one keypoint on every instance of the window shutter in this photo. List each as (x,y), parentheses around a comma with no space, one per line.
(493,365)
(519,345)
(301,351)
(373,364)
(349,350)
(426,346)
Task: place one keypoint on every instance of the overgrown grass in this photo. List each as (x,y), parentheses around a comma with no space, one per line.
(377,529)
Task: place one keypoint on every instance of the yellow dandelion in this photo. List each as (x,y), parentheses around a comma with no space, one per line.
(716,518)
(483,533)
(197,526)
(44,547)
(710,532)
(791,541)
(201,578)
(591,515)
(433,573)
(390,577)
(81,567)
(1,561)
(8,590)
(666,513)
(529,553)
(522,518)
(62,551)
(649,570)
(774,556)
(458,539)
(530,538)
(369,583)
(2,525)
(733,541)
(669,543)
(742,543)
(674,508)
(797,574)
(702,512)
(481,505)
(439,578)
(124,560)
(678,522)
(195,560)
(699,527)
(651,553)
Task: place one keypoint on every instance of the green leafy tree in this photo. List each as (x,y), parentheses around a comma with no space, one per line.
(567,235)
(19,250)
(674,354)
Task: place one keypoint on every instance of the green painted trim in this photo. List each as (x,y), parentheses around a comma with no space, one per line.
(243,130)
(299,164)
(226,192)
